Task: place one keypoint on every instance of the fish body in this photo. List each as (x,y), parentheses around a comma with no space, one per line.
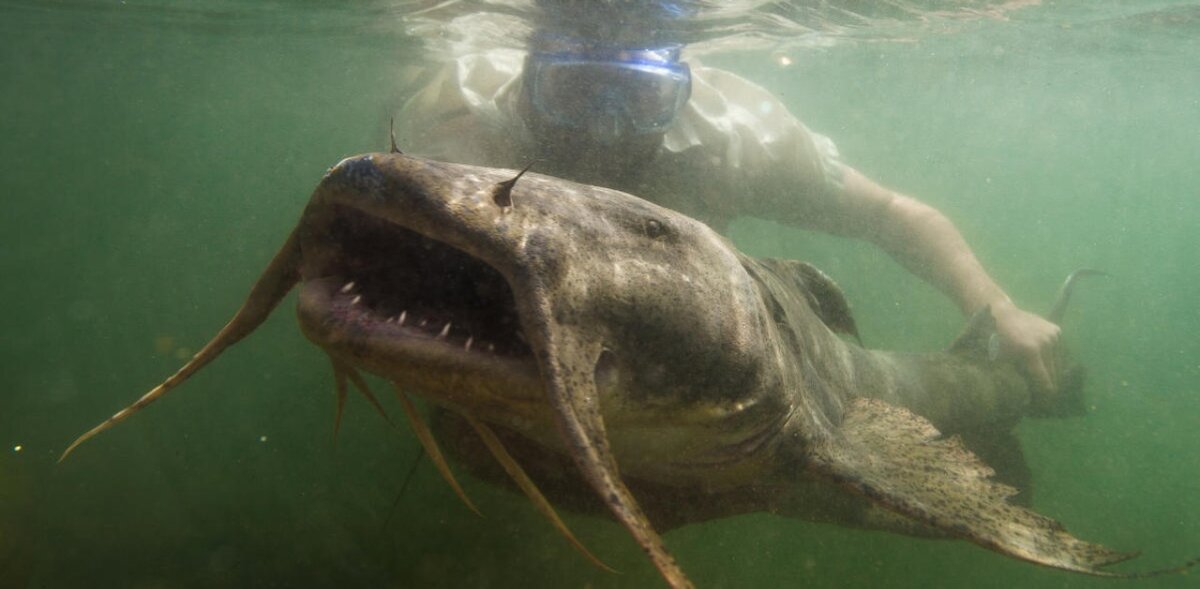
(632,362)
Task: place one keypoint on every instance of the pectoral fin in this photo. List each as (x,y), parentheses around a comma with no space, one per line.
(568,367)
(901,461)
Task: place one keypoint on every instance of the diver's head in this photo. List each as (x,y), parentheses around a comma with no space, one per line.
(604,93)
(600,99)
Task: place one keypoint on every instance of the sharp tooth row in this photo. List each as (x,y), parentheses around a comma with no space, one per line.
(400,319)
(403,316)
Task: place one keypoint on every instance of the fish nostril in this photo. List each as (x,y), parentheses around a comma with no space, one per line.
(357,173)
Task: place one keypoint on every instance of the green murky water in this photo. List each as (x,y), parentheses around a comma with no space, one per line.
(151,160)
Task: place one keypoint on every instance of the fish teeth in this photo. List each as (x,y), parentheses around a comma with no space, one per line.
(400,319)
(348,287)
(356,300)
(445,331)
(470,340)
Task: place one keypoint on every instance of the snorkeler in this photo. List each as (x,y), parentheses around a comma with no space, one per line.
(603,96)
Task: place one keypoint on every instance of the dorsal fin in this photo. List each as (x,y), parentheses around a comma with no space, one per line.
(978,338)
(824,295)
(1064,294)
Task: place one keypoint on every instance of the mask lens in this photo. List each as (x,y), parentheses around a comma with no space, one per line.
(654,95)
(645,97)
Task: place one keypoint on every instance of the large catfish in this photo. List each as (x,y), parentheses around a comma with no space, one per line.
(563,328)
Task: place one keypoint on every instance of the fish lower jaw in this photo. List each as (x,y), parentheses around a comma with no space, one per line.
(336,317)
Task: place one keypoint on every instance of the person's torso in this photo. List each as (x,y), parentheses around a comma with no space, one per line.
(729,144)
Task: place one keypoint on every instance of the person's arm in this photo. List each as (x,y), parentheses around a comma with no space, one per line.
(926,243)
(778,157)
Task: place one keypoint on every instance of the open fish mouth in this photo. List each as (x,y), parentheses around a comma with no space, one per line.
(377,284)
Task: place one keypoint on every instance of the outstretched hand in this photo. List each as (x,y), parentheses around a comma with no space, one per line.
(1032,341)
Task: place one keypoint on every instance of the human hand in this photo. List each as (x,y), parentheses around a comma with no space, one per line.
(1032,341)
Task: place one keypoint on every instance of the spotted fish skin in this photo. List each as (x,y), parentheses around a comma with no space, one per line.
(635,364)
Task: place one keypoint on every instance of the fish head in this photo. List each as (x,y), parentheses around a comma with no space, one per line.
(565,296)
(586,320)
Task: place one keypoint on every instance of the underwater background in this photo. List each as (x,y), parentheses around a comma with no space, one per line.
(154,155)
